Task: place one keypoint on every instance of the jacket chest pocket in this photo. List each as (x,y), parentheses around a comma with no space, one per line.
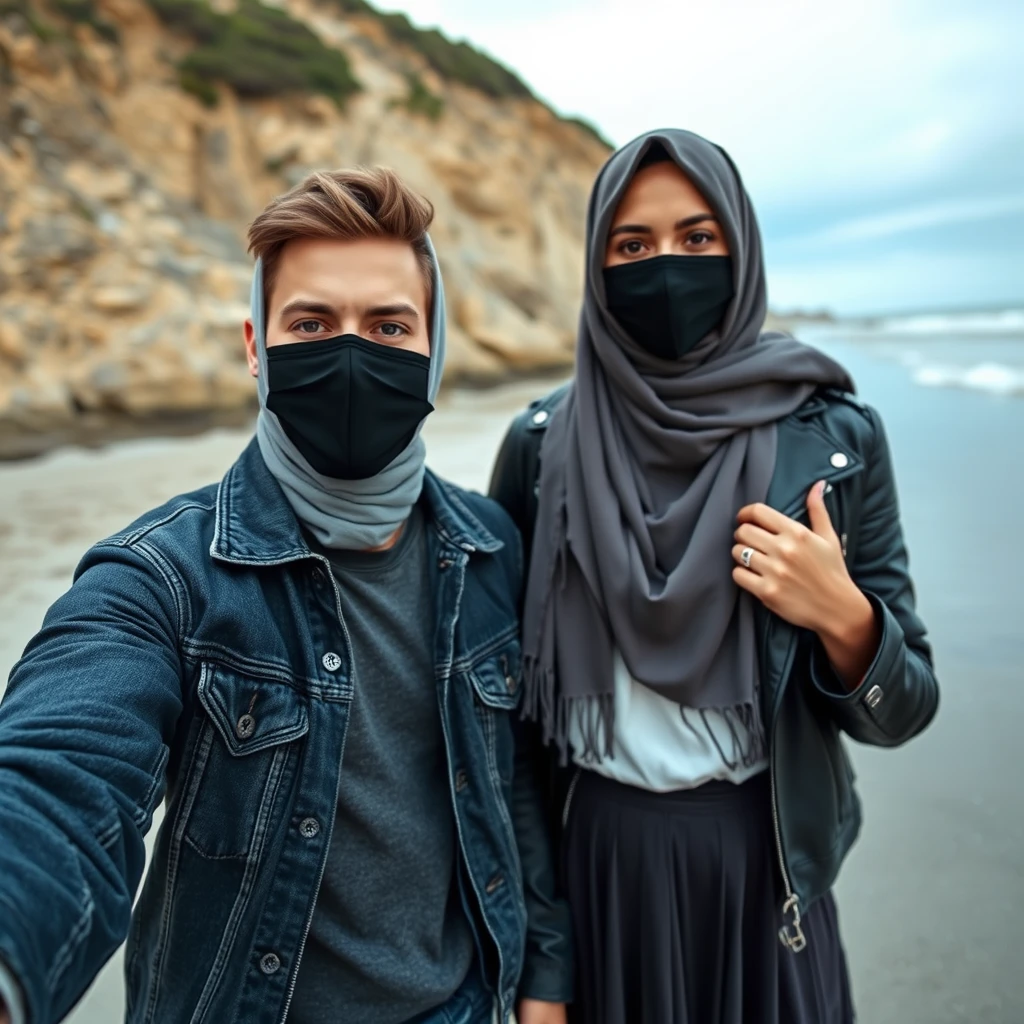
(497,690)
(244,761)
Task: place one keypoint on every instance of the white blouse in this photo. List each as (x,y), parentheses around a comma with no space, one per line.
(660,746)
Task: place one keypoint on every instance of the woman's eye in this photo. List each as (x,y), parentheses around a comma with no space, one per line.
(701,238)
(308,326)
(390,330)
(633,247)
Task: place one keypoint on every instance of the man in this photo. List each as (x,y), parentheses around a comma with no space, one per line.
(317,662)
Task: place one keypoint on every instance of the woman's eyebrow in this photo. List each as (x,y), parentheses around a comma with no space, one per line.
(697,218)
(643,229)
(629,229)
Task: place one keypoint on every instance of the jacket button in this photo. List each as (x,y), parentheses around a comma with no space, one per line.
(510,682)
(331,661)
(461,781)
(540,418)
(444,563)
(245,727)
(840,460)
(270,963)
(309,828)
(495,884)
(874,697)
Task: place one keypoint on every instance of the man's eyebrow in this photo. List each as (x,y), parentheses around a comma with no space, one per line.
(306,306)
(394,309)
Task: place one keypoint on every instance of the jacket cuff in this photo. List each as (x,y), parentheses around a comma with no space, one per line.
(870,693)
(546,980)
(10,996)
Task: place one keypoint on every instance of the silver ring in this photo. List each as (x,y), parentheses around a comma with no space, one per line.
(745,556)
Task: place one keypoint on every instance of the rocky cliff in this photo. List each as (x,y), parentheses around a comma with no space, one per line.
(138,137)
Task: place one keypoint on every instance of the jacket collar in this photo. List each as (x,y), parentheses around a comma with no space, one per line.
(255,524)
(808,452)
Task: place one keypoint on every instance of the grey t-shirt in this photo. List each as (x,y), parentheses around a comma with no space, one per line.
(389,938)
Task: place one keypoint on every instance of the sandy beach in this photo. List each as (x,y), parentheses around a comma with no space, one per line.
(932,897)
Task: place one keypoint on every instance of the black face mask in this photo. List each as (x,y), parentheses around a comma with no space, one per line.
(668,304)
(349,405)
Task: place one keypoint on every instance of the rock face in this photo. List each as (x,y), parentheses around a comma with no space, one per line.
(124,200)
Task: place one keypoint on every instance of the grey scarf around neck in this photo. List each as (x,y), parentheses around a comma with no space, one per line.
(354,514)
(643,470)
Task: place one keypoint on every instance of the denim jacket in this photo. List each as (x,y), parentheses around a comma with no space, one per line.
(201,656)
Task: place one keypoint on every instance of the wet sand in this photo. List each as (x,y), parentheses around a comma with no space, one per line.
(932,897)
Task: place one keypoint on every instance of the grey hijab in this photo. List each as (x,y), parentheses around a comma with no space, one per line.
(643,470)
(355,514)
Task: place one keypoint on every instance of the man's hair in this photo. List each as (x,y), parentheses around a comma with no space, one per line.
(363,202)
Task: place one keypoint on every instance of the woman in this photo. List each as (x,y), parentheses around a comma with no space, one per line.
(718,588)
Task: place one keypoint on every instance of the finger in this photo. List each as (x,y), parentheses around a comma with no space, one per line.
(749,581)
(753,536)
(766,517)
(749,558)
(821,521)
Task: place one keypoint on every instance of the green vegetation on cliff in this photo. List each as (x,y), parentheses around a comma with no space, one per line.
(256,50)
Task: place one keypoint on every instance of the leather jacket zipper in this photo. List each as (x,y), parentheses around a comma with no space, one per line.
(569,796)
(791,934)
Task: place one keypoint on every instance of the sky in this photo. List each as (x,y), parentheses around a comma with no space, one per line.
(882,141)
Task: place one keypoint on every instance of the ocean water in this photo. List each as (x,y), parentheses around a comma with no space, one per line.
(973,351)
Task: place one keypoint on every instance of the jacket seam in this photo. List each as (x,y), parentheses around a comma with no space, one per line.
(173,583)
(131,539)
(233,661)
(145,810)
(66,953)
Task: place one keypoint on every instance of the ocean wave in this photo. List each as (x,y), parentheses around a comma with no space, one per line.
(993,378)
(1006,321)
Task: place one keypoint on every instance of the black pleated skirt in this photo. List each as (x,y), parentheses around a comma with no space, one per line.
(676,903)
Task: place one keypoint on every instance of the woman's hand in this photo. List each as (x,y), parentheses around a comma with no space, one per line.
(800,574)
(533,1011)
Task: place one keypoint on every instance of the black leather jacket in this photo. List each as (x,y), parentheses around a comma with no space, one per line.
(816,811)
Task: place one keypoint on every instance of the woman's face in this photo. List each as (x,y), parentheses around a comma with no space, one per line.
(663,214)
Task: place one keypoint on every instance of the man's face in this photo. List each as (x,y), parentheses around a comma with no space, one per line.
(373,287)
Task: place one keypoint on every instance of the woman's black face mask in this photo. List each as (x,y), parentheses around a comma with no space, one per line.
(669,304)
(349,405)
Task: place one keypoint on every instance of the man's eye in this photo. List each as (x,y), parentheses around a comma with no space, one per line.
(390,330)
(308,326)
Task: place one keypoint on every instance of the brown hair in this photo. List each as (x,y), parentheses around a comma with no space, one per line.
(363,202)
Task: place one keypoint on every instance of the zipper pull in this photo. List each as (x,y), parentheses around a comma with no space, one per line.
(792,935)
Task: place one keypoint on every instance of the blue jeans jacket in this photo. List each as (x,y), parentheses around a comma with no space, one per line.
(201,656)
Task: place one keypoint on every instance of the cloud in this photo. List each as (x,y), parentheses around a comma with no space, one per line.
(850,122)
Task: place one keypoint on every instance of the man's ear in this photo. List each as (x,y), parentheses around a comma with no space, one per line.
(250,349)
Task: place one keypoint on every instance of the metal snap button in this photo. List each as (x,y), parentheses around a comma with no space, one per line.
(840,460)
(245,727)
(510,682)
(540,418)
(461,781)
(309,828)
(445,563)
(495,884)
(331,661)
(874,697)
(270,963)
